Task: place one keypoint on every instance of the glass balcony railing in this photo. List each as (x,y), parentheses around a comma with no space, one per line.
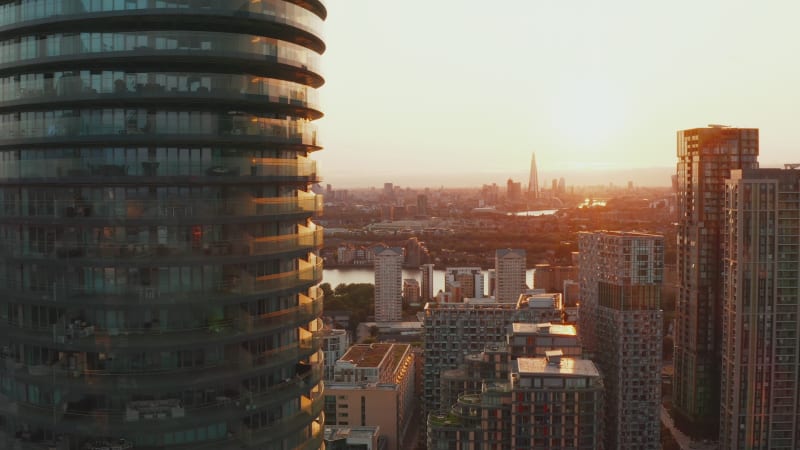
(163,42)
(234,285)
(159,209)
(77,377)
(308,413)
(278,11)
(78,251)
(84,334)
(87,85)
(84,168)
(140,122)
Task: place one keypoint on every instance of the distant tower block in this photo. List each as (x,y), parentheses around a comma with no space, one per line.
(533,180)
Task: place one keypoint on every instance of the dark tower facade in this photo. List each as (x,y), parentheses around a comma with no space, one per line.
(705,158)
(158,264)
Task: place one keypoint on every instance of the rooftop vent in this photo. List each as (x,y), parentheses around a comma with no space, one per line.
(553,357)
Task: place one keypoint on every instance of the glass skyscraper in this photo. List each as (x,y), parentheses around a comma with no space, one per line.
(158,264)
(705,158)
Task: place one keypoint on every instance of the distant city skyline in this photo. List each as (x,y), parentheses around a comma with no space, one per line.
(414,88)
(642,176)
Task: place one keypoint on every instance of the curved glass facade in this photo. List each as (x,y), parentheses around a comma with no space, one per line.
(158,255)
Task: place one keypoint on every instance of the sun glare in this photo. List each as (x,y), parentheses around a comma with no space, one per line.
(586,113)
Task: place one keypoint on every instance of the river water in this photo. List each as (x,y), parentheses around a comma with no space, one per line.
(367,275)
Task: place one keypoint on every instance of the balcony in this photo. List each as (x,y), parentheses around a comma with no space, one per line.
(158,210)
(160,416)
(307,239)
(232,288)
(88,338)
(86,169)
(310,410)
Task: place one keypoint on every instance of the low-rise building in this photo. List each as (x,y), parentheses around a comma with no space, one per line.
(374,386)
(353,438)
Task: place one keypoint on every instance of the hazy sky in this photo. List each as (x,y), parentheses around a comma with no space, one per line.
(437,88)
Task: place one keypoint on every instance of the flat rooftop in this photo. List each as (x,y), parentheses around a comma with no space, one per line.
(537,301)
(544,328)
(616,233)
(372,355)
(567,367)
(334,432)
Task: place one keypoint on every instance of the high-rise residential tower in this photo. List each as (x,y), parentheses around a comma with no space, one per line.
(533,178)
(620,324)
(760,367)
(426,271)
(388,284)
(509,267)
(705,158)
(158,262)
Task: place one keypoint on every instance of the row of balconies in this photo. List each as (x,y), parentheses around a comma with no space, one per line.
(270,10)
(159,416)
(310,410)
(303,203)
(307,239)
(67,129)
(75,376)
(241,284)
(303,168)
(79,334)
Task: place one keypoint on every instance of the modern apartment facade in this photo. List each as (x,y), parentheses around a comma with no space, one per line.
(621,326)
(158,258)
(388,284)
(556,403)
(760,366)
(705,158)
(510,265)
(549,403)
(335,343)
(464,282)
(452,331)
(374,386)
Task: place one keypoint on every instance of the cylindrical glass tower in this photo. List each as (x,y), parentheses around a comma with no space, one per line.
(158,264)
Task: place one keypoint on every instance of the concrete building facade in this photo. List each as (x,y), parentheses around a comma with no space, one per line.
(510,265)
(374,386)
(388,284)
(335,343)
(454,330)
(621,327)
(411,291)
(556,403)
(464,282)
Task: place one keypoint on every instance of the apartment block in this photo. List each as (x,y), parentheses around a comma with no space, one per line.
(760,363)
(705,158)
(374,386)
(621,327)
(388,284)
(454,330)
(510,265)
(464,282)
